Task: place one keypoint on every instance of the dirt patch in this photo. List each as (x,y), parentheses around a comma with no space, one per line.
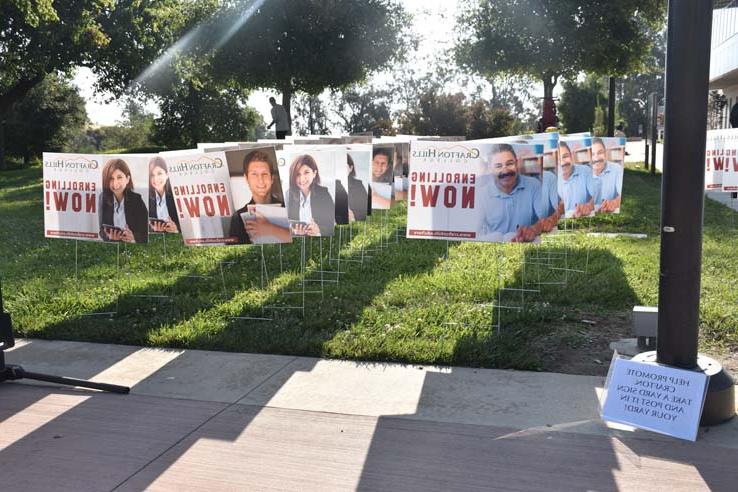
(729,360)
(580,344)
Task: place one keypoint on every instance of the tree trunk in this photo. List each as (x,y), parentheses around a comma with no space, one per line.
(3,164)
(27,158)
(18,92)
(549,109)
(611,108)
(311,119)
(287,103)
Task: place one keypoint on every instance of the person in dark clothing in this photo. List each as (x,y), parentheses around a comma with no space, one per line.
(259,174)
(309,204)
(162,209)
(342,210)
(734,116)
(358,201)
(123,214)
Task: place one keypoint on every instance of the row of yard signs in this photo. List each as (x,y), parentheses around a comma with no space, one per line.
(510,189)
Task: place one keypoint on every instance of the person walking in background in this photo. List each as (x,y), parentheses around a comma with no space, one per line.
(279,119)
(734,116)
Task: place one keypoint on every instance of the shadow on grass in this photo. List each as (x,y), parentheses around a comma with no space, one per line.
(204,300)
(549,286)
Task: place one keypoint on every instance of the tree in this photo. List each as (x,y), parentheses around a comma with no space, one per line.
(192,114)
(579,103)
(450,115)
(638,86)
(135,130)
(310,45)
(310,115)
(362,108)
(486,121)
(45,119)
(437,114)
(551,39)
(116,38)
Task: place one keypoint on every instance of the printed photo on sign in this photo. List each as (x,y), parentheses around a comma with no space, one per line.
(257,190)
(475,191)
(342,185)
(163,216)
(511,193)
(542,166)
(336,151)
(382,177)
(577,187)
(721,160)
(400,169)
(552,202)
(358,164)
(202,193)
(608,157)
(124,214)
(72,190)
(309,183)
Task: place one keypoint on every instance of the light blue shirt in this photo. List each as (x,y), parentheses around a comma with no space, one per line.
(579,188)
(504,212)
(610,182)
(162,212)
(550,193)
(306,211)
(119,213)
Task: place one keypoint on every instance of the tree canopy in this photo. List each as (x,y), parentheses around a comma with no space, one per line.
(45,119)
(363,109)
(550,39)
(450,115)
(192,114)
(310,45)
(117,39)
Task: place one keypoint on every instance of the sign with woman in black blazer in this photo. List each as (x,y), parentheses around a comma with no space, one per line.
(123,213)
(310,205)
(163,215)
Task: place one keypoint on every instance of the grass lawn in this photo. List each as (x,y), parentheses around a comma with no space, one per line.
(415,301)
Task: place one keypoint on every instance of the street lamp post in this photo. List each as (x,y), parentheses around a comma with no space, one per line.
(682,201)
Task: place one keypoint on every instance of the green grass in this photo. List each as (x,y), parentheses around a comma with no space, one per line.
(409,302)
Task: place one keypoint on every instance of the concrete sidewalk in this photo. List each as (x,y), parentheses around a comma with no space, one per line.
(200,420)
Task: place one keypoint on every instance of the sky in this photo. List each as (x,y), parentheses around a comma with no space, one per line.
(433,22)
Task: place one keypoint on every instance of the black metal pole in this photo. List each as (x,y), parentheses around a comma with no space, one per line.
(682,185)
(611,109)
(654,131)
(646,133)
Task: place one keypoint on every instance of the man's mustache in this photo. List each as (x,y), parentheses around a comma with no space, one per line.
(506,175)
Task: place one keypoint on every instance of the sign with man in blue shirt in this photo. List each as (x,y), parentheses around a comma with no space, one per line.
(607,173)
(512,204)
(577,187)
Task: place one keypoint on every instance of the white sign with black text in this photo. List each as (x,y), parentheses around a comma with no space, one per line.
(654,397)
